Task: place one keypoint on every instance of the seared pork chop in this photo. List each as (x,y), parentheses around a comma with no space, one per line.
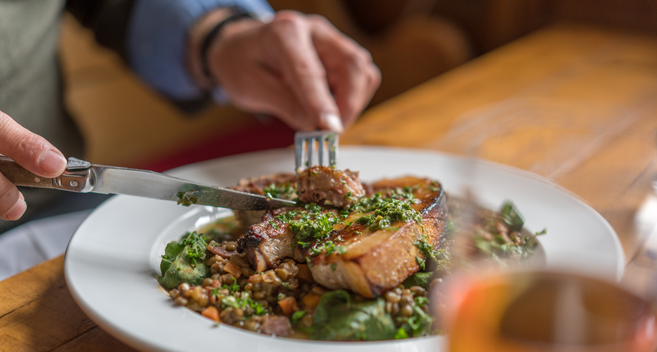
(326,185)
(369,248)
(280,185)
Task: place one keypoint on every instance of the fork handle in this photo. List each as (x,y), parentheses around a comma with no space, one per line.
(74,180)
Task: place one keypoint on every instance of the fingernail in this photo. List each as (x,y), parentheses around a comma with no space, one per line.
(333,122)
(52,162)
(17,210)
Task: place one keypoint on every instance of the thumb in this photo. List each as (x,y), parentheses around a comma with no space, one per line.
(29,150)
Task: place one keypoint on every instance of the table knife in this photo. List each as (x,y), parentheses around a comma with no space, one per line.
(83,177)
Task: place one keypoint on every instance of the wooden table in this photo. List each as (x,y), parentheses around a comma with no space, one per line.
(576,105)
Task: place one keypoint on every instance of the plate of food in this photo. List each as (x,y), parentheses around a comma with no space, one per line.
(348,269)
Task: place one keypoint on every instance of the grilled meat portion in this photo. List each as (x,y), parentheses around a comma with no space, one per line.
(268,242)
(280,185)
(369,250)
(326,185)
(269,183)
(316,185)
(376,260)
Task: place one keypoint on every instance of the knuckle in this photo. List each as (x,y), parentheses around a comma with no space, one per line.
(364,52)
(287,21)
(358,60)
(319,20)
(358,57)
(375,76)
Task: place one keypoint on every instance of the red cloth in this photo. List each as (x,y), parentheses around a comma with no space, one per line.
(254,137)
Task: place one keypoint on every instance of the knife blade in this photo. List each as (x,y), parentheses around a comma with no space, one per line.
(83,177)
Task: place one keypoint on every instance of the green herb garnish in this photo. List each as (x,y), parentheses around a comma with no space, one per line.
(186,198)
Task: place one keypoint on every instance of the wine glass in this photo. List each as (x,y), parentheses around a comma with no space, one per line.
(507,308)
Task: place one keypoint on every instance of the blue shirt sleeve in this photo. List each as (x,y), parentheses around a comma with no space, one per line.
(157,39)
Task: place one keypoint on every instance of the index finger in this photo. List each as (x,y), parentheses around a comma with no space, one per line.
(29,150)
(352,75)
(292,52)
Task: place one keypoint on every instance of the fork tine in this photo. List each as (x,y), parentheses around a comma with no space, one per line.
(309,157)
(320,148)
(332,149)
(304,148)
(298,150)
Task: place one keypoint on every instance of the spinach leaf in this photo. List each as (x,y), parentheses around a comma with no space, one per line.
(170,253)
(419,324)
(422,279)
(339,318)
(511,216)
(183,262)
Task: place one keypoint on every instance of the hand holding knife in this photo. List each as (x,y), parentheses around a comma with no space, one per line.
(83,177)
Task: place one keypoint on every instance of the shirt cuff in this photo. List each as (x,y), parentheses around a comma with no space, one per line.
(157,40)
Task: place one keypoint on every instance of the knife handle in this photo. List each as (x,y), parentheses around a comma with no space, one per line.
(76,178)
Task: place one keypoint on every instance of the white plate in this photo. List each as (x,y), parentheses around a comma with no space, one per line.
(112,259)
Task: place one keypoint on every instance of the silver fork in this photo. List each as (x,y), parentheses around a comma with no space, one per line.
(306,143)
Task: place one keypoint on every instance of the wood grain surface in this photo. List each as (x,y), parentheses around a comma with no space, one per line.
(575,105)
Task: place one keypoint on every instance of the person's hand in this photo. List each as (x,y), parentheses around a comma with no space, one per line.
(298,68)
(32,152)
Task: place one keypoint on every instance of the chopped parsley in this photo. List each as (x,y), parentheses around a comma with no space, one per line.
(385,211)
(284,191)
(186,198)
(296,316)
(327,247)
(232,288)
(244,302)
(421,301)
(420,262)
(195,247)
(309,224)
(313,223)
(440,256)
(401,334)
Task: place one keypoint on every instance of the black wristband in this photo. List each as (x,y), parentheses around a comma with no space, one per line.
(238,14)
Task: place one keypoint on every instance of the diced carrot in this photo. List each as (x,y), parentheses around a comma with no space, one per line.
(211,313)
(304,273)
(311,301)
(233,269)
(288,305)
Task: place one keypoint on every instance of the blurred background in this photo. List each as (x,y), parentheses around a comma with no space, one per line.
(561,88)
(411,41)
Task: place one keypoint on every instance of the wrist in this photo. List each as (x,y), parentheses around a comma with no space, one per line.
(208,32)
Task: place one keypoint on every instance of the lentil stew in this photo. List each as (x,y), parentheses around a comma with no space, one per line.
(206,272)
